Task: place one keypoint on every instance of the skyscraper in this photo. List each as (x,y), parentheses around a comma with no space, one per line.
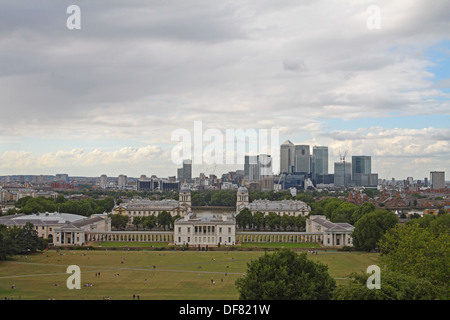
(287,157)
(257,167)
(342,173)
(122,181)
(319,161)
(302,159)
(103,181)
(185,173)
(361,170)
(437,179)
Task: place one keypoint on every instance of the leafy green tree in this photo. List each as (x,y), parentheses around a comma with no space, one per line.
(149,222)
(331,206)
(418,252)
(60,199)
(118,221)
(343,213)
(17,240)
(285,275)
(244,218)
(272,220)
(258,220)
(287,221)
(137,221)
(299,222)
(3,246)
(361,210)
(371,227)
(393,286)
(164,219)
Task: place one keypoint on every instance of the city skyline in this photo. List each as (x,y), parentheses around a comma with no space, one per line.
(105,99)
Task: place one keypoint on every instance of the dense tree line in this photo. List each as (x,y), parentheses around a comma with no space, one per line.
(414,258)
(84,207)
(16,240)
(257,221)
(162,220)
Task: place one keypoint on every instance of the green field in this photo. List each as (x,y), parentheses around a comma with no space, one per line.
(155,275)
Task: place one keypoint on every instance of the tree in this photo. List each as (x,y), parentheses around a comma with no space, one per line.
(244,218)
(330,205)
(393,286)
(118,221)
(272,220)
(417,251)
(286,221)
(149,222)
(371,227)
(258,220)
(300,222)
(137,221)
(17,240)
(164,219)
(285,275)
(362,210)
(60,199)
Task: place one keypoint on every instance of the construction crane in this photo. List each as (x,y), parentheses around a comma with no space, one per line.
(343,161)
(343,157)
(279,181)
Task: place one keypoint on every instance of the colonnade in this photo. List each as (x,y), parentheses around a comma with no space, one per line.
(132,236)
(168,236)
(294,237)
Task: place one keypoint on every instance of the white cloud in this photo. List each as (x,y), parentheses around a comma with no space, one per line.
(137,71)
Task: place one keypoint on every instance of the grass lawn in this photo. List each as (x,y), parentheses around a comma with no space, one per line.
(279,245)
(111,244)
(156,275)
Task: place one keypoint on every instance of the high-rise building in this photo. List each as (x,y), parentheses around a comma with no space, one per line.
(302,159)
(437,179)
(103,181)
(122,181)
(320,161)
(287,157)
(185,173)
(62,177)
(257,167)
(362,171)
(342,173)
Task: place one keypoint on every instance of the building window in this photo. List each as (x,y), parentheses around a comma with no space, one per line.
(179,239)
(188,229)
(229,229)
(189,239)
(179,229)
(220,229)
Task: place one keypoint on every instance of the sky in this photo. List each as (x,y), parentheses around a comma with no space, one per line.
(361,77)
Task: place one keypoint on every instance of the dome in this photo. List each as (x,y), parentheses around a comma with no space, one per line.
(185,188)
(242,189)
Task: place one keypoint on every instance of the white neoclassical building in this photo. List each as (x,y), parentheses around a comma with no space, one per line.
(60,228)
(282,207)
(334,234)
(146,207)
(204,229)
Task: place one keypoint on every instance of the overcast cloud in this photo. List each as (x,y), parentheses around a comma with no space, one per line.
(106,98)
